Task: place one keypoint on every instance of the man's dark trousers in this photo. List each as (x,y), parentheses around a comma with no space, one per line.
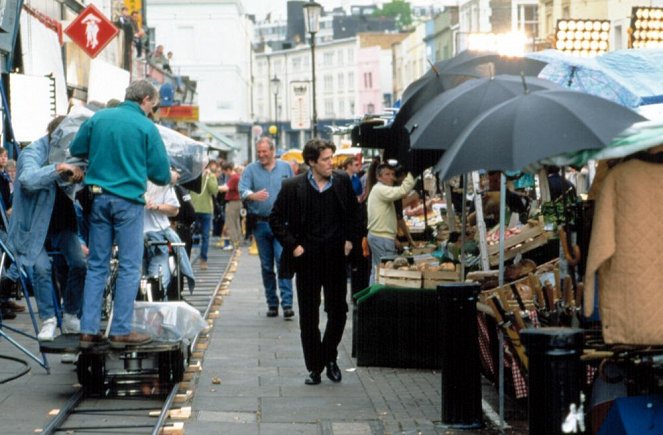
(321,266)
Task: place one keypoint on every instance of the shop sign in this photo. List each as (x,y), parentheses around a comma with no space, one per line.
(91,31)
(300,110)
(179,113)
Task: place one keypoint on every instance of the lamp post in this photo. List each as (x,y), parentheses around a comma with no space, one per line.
(276,83)
(312,12)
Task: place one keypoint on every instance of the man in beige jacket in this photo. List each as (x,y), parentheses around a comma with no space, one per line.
(382,220)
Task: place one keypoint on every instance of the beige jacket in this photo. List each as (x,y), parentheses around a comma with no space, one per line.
(626,250)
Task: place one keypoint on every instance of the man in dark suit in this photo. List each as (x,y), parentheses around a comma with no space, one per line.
(315,217)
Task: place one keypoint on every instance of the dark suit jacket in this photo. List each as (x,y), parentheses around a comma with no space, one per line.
(289,217)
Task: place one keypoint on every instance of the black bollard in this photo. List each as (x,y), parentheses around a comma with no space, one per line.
(556,403)
(461,367)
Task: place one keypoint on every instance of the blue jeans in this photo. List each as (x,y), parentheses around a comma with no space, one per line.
(269,250)
(113,219)
(380,247)
(204,221)
(69,245)
(159,263)
(66,241)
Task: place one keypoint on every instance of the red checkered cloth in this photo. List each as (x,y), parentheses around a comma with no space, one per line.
(534,317)
(517,376)
(484,346)
(511,364)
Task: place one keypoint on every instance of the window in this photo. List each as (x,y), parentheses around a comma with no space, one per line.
(340,57)
(329,108)
(351,81)
(368,80)
(528,19)
(340,81)
(341,109)
(328,58)
(351,55)
(296,63)
(352,108)
(328,83)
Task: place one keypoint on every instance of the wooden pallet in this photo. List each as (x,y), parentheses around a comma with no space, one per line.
(399,278)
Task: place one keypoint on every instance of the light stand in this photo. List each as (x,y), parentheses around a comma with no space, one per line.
(276,82)
(312,12)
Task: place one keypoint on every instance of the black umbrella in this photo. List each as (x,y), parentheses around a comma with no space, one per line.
(534,126)
(449,73)
(438,124)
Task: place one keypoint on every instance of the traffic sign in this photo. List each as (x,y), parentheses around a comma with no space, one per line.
(91,31)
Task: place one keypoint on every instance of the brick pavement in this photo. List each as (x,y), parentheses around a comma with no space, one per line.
(260,365)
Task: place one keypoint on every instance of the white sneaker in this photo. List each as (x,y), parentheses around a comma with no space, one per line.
(228,248)
(68,358)
(71,324)
(47,332)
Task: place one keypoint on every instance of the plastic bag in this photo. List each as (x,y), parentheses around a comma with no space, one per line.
(186,155)
(168,321)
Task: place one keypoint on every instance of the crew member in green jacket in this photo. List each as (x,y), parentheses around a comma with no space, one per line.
(203,203)
(124,150)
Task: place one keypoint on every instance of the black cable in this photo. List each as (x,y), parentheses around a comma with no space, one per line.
(18,360)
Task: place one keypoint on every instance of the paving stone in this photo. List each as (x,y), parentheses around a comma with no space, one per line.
(311,409)
(227,417)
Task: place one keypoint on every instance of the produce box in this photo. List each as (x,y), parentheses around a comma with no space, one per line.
(431,279)
(399,278)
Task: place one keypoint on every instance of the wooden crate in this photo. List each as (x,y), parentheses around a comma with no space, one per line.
(399,278)
(431,279)
(527,232)
(513,250)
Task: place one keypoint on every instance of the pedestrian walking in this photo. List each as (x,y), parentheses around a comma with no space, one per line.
(203,203)
(316,218)
(259,186)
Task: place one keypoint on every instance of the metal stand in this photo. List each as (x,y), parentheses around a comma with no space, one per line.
(3,326)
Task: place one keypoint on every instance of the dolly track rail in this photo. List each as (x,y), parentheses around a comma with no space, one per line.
(72,407)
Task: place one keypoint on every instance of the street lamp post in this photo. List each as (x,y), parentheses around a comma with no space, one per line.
(312,12)
(276,83)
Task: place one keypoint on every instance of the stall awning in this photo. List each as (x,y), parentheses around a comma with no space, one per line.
(219,141)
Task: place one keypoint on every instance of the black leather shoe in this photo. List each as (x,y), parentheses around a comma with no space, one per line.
(313,378)
(333,372)
(288,313)
(8,314)
(272,312)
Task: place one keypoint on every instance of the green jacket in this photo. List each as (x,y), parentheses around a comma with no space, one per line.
(124,150)
(203,202)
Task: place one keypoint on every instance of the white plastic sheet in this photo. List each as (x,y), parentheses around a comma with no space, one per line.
(168,321)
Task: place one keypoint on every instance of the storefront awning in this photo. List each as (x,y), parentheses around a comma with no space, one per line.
(219,141)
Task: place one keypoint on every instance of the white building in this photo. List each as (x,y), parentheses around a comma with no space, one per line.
(211,43)
(336,82)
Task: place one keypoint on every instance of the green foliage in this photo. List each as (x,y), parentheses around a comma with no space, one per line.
(398,9)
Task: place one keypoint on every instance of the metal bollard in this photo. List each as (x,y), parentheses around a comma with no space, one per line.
(461,367)
(556,402)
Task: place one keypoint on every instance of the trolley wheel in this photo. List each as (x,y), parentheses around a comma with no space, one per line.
(91,371)
(171,366)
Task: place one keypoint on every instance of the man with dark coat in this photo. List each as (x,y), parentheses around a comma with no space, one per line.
(315,218)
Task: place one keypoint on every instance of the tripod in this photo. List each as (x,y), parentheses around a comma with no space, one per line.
(5,253)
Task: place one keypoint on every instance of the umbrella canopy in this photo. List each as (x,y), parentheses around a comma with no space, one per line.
(439,123)
(293,154)
(534,126)
(449,73)
(629,77)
